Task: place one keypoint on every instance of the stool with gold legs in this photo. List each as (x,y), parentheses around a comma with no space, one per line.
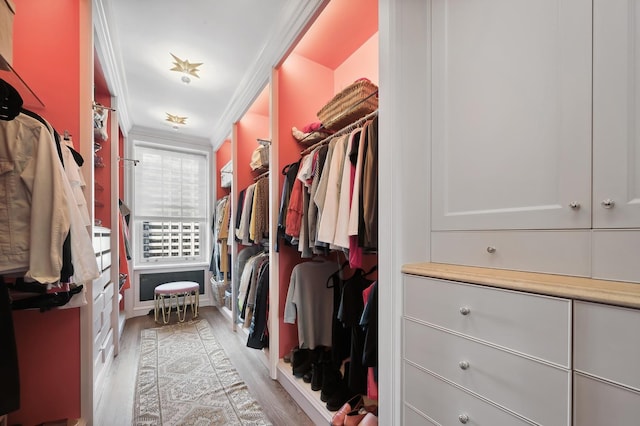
(187,290)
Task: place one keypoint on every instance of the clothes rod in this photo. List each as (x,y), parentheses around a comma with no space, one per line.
(342,131)
(97,105)
(135,162)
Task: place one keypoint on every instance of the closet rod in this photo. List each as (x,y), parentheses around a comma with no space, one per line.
(343,113)
(97,105)
(260,176)
(342,131)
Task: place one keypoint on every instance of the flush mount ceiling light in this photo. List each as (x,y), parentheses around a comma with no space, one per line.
(175,120)
(185,67)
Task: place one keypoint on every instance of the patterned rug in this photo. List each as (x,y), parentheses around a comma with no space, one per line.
(185,378)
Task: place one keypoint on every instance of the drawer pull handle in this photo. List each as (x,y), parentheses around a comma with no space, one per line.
(491,249)
(608,203)
(464,365)
(465,311)
(574,205)
(464,419)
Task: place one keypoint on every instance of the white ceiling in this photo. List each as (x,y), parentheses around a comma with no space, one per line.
(237,41)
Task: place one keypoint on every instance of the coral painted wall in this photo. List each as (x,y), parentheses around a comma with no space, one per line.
(223,156)
(249,129)
(47,56)
(362,63)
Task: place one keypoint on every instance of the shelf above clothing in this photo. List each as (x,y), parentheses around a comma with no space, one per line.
(11,76)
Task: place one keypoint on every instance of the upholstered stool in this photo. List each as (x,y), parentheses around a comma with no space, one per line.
(188,290)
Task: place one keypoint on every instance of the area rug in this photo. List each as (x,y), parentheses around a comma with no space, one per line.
(185,378)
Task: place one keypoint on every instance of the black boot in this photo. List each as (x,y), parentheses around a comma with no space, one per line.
(331,379)
(301,362)
(317,370)
(342,394)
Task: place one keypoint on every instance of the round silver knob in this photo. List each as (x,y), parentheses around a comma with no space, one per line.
(464,365)
(491,249)
(465,311)
(608,203)
(574,205)
(463,418)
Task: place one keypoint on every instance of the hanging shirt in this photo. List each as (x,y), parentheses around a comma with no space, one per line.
(327,228)
(310,302)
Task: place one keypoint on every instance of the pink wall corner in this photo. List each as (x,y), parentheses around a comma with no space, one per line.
(223,156)
(362,63)
(251,127)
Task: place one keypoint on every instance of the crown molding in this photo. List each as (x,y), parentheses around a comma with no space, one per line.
(104,41)
(169,137)
(292,22)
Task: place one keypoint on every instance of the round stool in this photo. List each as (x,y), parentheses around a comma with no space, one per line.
(175,290)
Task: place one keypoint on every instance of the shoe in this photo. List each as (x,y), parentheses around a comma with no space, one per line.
(343,393)
(317,371)
(331,379)
(301,362)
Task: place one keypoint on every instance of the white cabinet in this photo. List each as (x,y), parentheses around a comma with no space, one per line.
(511,114)
(102,308)
(497,356)
(606,378)
(616,114)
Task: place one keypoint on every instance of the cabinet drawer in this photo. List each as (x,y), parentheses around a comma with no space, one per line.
(606,342)
(414,418)
(106,260)
(615,255)
(598,403)
(101,281)
(553,252)
(444,403)
(98,305)
(532,389)
(531,324)
(108,293)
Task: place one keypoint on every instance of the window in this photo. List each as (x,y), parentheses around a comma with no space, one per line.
(170,205)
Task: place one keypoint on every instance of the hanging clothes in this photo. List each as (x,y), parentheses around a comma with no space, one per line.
(309,302)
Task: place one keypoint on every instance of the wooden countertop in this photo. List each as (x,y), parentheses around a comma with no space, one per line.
(593,290)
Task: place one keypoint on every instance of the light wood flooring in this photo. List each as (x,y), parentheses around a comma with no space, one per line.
(116,406)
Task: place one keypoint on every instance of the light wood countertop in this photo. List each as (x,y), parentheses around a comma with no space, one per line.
(579,288)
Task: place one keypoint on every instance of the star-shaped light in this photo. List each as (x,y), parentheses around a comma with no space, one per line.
(176,119)
(185,66)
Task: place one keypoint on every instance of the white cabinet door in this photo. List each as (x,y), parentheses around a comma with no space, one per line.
(616,114)
(511,114)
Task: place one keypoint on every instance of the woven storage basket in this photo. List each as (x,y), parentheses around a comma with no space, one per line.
(354,102)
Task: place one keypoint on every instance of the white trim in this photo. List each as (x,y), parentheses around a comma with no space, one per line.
(404,178)
(104,40)
(291,23)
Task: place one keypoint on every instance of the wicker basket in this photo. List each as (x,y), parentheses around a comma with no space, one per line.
(352,103)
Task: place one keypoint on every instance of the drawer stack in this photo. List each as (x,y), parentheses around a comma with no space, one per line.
(607,376)
(484,356)
(103,294)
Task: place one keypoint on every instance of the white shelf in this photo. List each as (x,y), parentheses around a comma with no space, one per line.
(309,400)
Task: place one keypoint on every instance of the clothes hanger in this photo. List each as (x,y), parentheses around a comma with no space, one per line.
(372,270)
(336,274)
(10,101)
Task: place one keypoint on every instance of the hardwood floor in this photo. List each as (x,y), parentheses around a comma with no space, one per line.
(116,406)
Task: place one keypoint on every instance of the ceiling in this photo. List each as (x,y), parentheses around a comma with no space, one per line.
(237,42)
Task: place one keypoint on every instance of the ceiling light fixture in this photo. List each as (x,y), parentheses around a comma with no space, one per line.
(185,67)
(175,120)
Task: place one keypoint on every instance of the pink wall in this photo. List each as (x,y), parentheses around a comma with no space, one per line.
(250,128)
(223,156)
(47,56)
(362,63)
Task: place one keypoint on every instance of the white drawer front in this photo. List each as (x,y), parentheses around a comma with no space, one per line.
(554,252)
(106,260)
(108,292)
(444,403)
(101,281)
(534,390)
(598,403)
(413,418)
(607,343)
(535,325)
(615,255)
